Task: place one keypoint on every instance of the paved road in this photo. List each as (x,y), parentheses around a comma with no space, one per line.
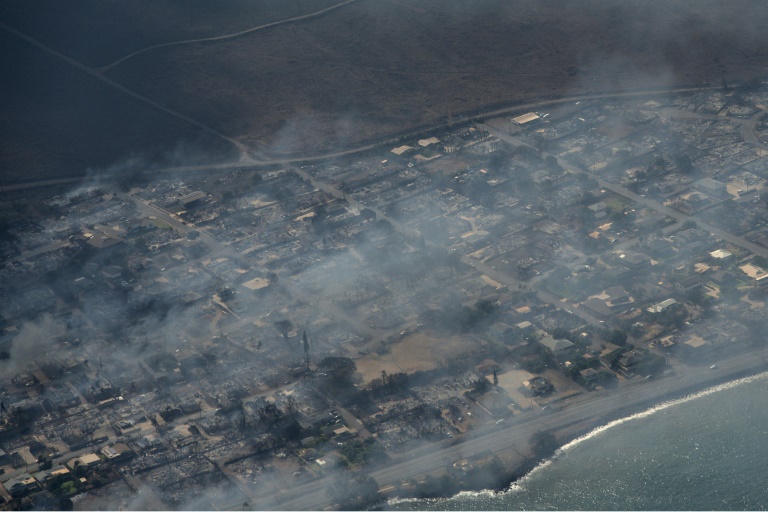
(512,283)
(645,201)
(516,432)
(293,289)
(747,124)
(247,160)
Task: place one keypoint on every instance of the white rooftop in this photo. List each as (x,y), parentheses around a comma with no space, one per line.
(402,149)
(720,254)
(525,118)
(426,142)
(661,306)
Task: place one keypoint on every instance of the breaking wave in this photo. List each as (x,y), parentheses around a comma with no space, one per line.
(653,410)
(519,485)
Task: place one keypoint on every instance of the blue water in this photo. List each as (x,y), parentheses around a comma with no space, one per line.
(708,451)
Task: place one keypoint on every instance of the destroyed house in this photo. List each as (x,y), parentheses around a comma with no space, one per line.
(689,284)
(20,485)
(191,199)
(711,187)
(538,386)
(317,421)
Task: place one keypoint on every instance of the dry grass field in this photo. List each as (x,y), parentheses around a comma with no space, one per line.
(380,67)
(365,71)
(413,353)
(97,32)
(58,121)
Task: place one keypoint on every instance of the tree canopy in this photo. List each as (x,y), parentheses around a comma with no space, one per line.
(339,369)
(356,493)
(284,327)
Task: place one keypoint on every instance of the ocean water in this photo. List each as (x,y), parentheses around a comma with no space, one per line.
(707,451)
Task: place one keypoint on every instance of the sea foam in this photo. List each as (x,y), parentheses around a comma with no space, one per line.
(519,485)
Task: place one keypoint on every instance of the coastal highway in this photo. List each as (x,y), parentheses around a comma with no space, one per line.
(631,396)
(543,295)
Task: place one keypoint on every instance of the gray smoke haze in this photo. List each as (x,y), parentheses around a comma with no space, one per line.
(385,273)
(32,340)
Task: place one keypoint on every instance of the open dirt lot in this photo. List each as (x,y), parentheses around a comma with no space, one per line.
(413,353)
(510,381)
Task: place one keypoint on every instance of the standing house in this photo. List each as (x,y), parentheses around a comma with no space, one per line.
(591,376)
(662,306)
(557,348)
(689,284)
(58,471)
(87,460)
(630,360)
(20,485)
(117,452)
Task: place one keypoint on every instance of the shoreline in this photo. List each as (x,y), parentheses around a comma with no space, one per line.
(568,433)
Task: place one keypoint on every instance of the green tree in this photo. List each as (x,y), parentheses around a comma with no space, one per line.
(362,452)
(684,163)
(617,337)
(284,327)
(481,385)
(356,493)
(729,291)
(338,369)
(68,488)
(552,163)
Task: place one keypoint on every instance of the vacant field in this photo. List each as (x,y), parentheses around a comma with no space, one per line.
(376,67)
(59,121)
(365,71)
(97,32)
(413,353)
